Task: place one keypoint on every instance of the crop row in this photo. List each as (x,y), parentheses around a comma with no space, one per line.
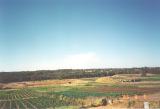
(28,99)
(17,94)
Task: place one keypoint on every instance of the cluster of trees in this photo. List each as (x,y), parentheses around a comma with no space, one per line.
(6,77)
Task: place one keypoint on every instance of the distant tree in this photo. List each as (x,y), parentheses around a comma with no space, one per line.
(143,74)
(144,71)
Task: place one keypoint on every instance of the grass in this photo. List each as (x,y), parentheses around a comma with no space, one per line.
(56,88)
(74,93)
(67,107)
(152,78)
(122,86)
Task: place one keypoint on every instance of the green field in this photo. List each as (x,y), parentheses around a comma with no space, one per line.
(71,96)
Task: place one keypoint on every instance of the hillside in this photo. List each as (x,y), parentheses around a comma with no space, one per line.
(7,77)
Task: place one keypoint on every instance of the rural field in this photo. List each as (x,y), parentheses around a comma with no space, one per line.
(117,91)
(79,54)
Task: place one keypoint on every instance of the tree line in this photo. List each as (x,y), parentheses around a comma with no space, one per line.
(7,77)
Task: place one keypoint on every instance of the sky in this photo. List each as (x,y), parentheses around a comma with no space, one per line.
(79,34)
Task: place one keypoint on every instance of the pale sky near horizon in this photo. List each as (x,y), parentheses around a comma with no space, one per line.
(56,34)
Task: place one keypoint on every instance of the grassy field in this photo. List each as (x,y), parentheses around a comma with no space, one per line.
(123,90)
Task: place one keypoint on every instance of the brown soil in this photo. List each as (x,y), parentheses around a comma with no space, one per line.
(123,89)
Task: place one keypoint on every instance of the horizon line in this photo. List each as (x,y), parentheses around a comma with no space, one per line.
(79,69)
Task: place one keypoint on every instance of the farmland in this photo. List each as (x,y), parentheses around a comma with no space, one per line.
(119,91)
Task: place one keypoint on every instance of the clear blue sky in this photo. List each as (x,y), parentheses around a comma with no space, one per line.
(54,34)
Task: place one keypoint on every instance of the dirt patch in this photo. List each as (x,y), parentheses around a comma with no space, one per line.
(13,85)
(122,89)
(133,102)
(66,82)
(1,86)
(75,82)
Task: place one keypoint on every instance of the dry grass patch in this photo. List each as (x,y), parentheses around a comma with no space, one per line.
(108,80)
(64,82)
